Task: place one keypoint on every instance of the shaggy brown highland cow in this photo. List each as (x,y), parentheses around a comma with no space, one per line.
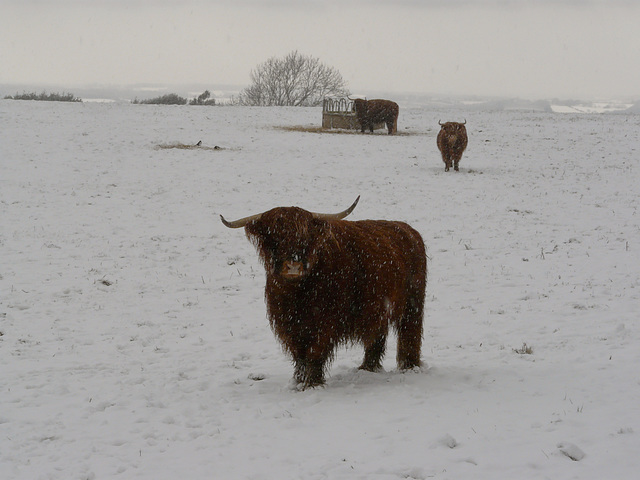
(332,282)
(371,112)
(452,141)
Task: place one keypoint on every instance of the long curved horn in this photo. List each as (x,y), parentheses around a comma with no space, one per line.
(325,216)
(337,216)
(465,121)
(440,122)
(241,222)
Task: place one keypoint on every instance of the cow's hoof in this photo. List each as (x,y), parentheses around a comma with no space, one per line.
(302,386)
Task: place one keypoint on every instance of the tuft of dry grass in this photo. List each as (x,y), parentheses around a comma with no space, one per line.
(182,146)
(524,349)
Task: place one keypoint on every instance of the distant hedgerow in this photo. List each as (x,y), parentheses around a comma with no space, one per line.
(44,96)
(168,99)
(203,99)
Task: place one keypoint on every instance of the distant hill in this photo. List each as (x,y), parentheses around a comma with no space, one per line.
(224,93)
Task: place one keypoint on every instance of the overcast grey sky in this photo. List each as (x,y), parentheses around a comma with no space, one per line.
(530,48)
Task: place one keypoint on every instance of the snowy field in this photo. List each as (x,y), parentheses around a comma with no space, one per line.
(133,337)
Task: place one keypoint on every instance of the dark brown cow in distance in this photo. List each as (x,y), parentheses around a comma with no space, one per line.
(332,282)
(371,112)
(452,141)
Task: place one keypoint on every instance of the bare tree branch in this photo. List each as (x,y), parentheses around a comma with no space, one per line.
(295,80)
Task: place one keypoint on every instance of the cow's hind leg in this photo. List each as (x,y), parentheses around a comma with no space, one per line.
(373,354)
(410,331)
(392,125)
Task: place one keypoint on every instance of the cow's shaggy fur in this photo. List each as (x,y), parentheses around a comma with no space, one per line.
(452,141)
(333,282)
(372,112)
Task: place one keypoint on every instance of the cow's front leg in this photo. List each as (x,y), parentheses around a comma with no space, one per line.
(299,370)
(314,374)
(309,368)
(309,373)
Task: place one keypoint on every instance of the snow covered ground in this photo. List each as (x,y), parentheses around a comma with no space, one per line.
(133,336)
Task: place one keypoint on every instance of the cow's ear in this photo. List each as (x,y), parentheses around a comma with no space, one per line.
(252,228)
(256,231)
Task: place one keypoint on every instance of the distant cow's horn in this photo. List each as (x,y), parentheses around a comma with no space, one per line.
(440,122)
(465,121)
(337,216)
(241,222)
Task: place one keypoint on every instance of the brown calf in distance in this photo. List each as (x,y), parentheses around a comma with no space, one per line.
(452,141)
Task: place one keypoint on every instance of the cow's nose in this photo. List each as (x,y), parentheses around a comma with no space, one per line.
(292,269)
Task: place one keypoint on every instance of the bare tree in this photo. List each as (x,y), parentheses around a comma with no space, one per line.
(295,80)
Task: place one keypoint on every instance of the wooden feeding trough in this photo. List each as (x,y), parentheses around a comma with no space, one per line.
(338,113)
